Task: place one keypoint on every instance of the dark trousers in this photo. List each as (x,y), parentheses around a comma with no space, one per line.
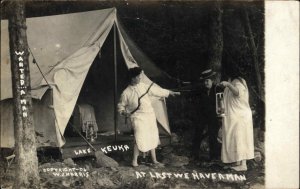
(214,145)
(213,125)
(197,139)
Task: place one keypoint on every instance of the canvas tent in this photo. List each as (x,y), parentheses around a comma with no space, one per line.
(68,47)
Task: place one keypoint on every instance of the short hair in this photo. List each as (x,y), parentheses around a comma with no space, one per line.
(133,72)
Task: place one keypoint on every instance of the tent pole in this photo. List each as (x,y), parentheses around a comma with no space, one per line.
(115,84)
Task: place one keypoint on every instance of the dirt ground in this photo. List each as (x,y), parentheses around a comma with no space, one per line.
(179,171)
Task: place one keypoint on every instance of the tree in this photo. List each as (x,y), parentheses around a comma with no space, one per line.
(253,51)
(216,40)
(27,175)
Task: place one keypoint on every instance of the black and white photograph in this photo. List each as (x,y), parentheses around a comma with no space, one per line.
(139,94)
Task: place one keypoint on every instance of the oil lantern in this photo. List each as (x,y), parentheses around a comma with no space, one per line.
(220,105)
(90,132)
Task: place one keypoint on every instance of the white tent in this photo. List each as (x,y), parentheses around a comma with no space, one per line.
(65,46)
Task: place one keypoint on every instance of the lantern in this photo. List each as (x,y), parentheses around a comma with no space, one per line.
(90,132)
(220,105)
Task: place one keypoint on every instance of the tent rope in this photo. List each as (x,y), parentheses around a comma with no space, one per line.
(35,62)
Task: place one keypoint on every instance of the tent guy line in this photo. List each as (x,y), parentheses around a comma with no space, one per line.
(36,63)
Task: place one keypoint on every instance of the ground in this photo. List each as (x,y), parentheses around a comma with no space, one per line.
(176,158)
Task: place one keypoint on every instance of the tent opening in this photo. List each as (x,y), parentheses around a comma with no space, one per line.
(96,97)
(97,93)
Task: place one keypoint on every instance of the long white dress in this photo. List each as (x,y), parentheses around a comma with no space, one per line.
(143,120)
(237,138)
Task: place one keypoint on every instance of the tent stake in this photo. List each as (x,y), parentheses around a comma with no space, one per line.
(115,83)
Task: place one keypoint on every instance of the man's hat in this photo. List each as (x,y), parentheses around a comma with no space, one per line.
(207,74)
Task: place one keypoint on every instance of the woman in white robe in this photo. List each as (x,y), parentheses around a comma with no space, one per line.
(237,137)
(143,120)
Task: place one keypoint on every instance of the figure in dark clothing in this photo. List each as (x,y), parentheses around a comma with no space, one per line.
(207,116)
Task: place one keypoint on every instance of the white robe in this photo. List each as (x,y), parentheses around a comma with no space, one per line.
(143,120)
(237,138)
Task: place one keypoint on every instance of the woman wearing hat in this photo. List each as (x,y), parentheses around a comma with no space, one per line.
(136,104)
(207,116)
(237,137)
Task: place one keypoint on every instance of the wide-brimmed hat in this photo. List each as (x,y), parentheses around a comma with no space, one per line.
(207,74)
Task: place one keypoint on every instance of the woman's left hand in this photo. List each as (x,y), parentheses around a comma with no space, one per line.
(172,93)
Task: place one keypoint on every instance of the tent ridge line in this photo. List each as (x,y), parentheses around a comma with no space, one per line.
(99,26)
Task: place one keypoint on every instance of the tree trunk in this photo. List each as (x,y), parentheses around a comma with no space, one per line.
(216,40)
(27,175)
(253,50)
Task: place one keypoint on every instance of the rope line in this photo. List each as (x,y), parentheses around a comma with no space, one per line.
(35,62)
(139,100)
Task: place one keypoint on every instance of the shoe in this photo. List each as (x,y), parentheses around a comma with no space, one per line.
(158,164)
(239,168)
(226,167)
(134,165)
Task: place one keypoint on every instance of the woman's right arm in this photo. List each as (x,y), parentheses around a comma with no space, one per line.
(237,89)
(231,87)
